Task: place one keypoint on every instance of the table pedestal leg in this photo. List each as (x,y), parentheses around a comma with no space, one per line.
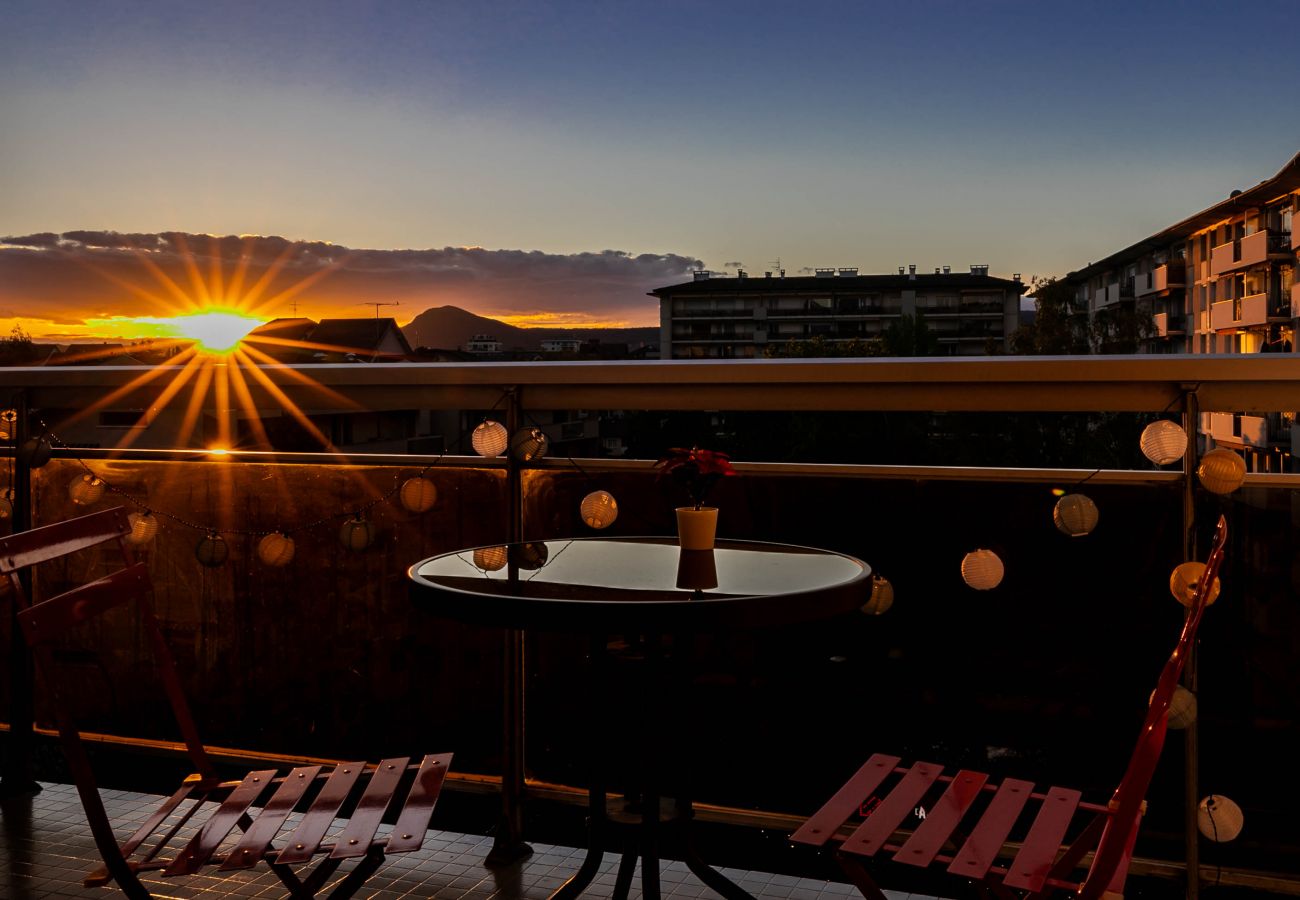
(509,846)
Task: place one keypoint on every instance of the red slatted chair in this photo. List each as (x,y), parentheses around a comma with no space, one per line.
(1041,865)
(260,803)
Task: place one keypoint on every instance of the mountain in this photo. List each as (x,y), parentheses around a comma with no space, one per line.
(450,327)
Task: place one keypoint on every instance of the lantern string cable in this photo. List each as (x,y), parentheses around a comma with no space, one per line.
(1168,407)
(355,512)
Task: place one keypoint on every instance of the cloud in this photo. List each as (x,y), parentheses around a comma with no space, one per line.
(66,278)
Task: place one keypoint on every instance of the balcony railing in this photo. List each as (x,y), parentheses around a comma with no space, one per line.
(1243,312)
(1250,250)
(347,653)
(1159,279)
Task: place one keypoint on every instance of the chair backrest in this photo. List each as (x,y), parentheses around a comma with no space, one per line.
(1110,864)
(45,621)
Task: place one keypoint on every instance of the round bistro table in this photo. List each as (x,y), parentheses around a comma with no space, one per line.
(649,588)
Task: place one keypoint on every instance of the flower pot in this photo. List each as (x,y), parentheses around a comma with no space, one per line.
(696,527)
(696,570)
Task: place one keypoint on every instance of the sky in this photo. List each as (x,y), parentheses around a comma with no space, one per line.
(550,162)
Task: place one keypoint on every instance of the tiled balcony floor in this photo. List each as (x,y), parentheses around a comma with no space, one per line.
(46,849)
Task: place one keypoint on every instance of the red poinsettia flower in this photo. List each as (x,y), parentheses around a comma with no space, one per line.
(696,470)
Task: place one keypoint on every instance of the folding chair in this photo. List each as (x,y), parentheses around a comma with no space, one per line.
(260,803)
(1041,864)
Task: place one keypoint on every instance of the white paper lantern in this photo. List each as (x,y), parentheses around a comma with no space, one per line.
(418,494)
(1182,708)
(356,534)
(1184,579)
(212,551)
(1221,471)
(982,570)
(529,444)
(532,555)
(490,559)
(144,528)
(1219,819)
(35,452)
(882,596)
(86,489)
(276,549)
(599,509)
(1163,442)
(490,439)
(1075,515)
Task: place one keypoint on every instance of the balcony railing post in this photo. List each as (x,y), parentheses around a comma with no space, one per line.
(508,845)
(1191,743)
(17,776)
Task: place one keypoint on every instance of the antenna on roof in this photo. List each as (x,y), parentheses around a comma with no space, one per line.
(377,305)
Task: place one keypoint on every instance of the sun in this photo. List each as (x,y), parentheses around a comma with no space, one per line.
(215,330)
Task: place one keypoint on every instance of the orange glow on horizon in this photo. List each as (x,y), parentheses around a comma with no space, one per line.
(564,320)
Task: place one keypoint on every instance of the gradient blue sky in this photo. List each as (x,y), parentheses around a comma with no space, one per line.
(1032,136)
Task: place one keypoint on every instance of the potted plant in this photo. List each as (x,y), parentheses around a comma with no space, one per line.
(697,471)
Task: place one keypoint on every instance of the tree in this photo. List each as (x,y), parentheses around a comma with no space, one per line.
(910,336)
(18,349)
(1120,330)
(1052,332)
(818,347)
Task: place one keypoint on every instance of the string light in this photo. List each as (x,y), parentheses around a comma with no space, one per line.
(35,452)
(212,550)
(490,559)
(418,494)
(1163,442)
(86,490)
(982,570)
(1221,471)
(882,596)
(144,527)
(1075,515)
(275,549)
(1184,580)
(598,509)
(1219,818)
(489,439)
(357,533)
(529,444)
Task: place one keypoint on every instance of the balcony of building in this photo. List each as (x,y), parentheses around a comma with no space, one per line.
(845,454)
(1236,430)
(1160,280)
(1106,296)
(1251,250)
(1169,324)
(1243,312)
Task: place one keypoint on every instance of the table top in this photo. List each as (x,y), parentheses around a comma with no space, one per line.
(609,584)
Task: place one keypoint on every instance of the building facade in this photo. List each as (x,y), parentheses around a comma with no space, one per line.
(713,317)
(1220,281)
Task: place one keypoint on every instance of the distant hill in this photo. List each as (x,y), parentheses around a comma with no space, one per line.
(450,327)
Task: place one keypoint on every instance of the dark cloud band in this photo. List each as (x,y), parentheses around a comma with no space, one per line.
(91,274)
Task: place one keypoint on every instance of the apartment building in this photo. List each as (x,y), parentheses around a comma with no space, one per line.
(1220,281)
(718,317)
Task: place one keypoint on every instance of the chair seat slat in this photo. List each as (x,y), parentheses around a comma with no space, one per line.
(985,842)
(360,831)
(159,816)
(822,825)
(930,836)
(413,822)
(253,844)
(1034,861)
(872,834)
(302,844)
(205,843)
